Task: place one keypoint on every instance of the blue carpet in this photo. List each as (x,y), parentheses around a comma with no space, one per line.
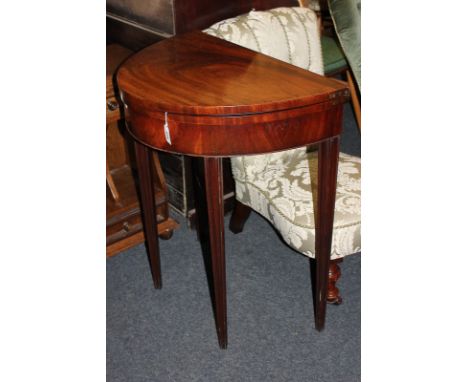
(169,334)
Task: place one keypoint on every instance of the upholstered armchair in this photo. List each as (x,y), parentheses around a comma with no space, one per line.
(280,186)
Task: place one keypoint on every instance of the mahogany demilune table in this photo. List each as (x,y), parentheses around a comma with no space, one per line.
(198,95)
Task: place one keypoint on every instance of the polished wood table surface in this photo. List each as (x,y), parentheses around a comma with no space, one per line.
(198,95)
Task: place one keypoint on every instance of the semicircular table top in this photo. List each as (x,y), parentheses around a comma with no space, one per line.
(198,74)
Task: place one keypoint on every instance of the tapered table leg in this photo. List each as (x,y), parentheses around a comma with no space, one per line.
(327,173)
(214,199)
(148,208)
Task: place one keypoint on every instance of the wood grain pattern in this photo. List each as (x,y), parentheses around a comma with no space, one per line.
(220,136)
(123,213)
(219,99)
(214,92)
(198,74)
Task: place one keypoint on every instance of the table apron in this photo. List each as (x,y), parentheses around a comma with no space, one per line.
(221,136)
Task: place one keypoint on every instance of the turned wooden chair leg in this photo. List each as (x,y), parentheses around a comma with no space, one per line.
(239,216)
(334,273)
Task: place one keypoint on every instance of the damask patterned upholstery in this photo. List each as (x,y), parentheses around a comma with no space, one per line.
(278,186)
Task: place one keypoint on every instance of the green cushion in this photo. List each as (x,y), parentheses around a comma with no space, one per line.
(346,15)
(333,56)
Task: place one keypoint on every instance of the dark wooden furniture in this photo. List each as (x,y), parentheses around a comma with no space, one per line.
(139,23)
(201,96)
(123,224)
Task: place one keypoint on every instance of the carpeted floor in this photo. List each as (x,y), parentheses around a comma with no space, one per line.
(169,334)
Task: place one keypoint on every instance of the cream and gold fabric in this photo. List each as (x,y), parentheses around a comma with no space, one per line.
(279,186)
